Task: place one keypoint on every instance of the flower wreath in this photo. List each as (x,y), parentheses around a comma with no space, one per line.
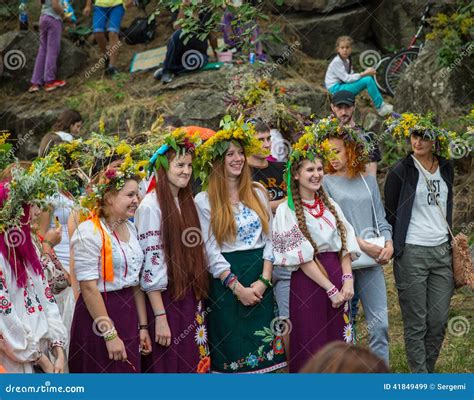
(33,186)
(215,148)
(129,168)
(327,128)
(401,128)
(308,147)
(180,141)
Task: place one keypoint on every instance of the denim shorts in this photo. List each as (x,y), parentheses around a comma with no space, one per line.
(107,18)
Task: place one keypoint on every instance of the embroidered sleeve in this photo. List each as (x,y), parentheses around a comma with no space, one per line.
(217,264)
(17,339)
(86,245)
(290,247)
(57,332)
(154,273)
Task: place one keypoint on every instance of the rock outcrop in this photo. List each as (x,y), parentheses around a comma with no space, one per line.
(18,52)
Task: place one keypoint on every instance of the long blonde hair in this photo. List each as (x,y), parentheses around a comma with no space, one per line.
(301,218)
(222,216)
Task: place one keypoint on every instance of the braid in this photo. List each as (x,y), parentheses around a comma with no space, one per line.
(341,229)
(301,218)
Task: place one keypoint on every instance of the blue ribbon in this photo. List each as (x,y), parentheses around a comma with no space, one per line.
(162,150)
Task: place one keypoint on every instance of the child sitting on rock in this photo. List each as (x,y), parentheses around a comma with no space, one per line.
(340,76)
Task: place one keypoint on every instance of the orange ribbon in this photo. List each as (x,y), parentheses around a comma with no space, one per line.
(106,251)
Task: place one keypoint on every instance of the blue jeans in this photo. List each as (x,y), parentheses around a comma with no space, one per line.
(367,82)
(370,284)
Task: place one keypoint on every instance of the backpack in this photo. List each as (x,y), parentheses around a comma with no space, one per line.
(141,30)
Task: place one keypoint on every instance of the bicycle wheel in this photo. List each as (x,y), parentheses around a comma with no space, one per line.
(397,66)
(380,75)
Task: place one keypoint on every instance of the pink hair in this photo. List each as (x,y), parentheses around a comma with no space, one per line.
(24,254)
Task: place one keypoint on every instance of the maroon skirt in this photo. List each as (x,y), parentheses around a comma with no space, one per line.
(315,322)
(88,352)
(186,319)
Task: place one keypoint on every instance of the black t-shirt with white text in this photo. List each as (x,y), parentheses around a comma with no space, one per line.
(272,178)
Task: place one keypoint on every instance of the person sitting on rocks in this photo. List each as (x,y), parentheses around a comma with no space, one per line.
(340,76)
(186,53)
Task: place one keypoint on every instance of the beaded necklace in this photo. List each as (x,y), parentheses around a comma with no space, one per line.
(317,208)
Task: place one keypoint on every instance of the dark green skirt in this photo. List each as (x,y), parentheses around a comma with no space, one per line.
(240,338)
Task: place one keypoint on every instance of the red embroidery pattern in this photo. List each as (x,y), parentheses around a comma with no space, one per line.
(287,240)
(147,276)
(5,306)
(153,248)
(49,294)
(28,302)
(325,219)
(149,234)
(155,259)
(300,257)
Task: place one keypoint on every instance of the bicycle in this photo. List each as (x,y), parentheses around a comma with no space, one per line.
(393,67)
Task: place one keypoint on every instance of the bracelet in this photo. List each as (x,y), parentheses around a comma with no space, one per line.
(160,313)
(347,277)
(332,292)
(48,242)
(234,279)
(142,327)
(110,335)
(227,279)
(267,283)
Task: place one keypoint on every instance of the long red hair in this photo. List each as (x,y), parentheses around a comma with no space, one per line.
(182,239)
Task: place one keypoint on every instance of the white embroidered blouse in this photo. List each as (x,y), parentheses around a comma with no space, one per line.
(250,234)
(30,322)
(148,222)
(127,258)
(292,249)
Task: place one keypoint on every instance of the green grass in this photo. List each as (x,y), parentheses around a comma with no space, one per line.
(456,354)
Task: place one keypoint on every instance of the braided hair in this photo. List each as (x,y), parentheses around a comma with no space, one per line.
(301,218)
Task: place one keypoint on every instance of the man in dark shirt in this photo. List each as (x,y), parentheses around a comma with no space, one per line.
(268,173)
(343,106)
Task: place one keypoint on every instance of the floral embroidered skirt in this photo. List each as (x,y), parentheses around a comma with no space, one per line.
(88,352)
(188,351)
(314,322)
(241,338)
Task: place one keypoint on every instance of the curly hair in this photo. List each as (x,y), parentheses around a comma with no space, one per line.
(356,160)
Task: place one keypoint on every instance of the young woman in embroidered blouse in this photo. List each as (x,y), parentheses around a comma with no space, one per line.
(236,218)
(109,323)
(312,238)
(360,200)
(174,274)
(31,329)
